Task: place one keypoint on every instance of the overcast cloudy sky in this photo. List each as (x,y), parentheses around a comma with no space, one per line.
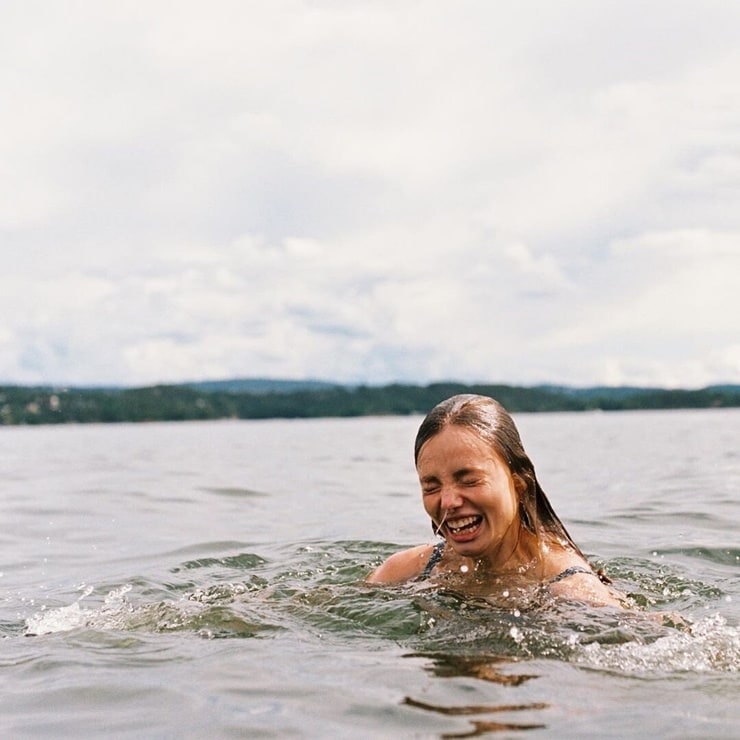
(387,190)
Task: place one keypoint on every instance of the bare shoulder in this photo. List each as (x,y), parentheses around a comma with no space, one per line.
(586,587)
(573,578)
(402,566)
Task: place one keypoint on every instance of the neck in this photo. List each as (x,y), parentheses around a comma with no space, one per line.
(519,549)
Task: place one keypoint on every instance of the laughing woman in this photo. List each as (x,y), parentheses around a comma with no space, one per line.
(480,490)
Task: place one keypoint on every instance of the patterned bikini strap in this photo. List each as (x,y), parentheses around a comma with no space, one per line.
(571,572)
(435,557)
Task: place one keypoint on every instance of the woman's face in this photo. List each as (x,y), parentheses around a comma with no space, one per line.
(468,488)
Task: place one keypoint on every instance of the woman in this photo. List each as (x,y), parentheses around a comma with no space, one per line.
(480,489)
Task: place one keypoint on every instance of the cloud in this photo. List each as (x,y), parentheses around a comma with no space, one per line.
(659,311)
(369,192)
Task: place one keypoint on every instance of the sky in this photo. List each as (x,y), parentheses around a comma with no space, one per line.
(370,192)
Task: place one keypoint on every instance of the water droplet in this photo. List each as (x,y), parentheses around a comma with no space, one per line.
(516,633)
(463,568)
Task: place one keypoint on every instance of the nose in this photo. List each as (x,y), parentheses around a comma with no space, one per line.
(450,498)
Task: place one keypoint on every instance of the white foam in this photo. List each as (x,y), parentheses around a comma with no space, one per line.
(710,645)
(73,616)
(62,619)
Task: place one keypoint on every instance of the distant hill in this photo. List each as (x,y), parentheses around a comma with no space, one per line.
(259,385)
(263,398)
(599,391)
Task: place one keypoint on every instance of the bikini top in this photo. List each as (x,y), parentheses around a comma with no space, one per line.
(436,556)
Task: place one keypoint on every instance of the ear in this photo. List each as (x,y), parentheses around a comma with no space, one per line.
(520,485)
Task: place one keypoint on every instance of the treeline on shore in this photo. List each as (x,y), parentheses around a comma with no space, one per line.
(46,405)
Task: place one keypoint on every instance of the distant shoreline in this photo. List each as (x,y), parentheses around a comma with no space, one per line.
(265,399)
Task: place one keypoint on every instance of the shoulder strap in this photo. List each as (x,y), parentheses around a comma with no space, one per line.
(571,572)
(435,557)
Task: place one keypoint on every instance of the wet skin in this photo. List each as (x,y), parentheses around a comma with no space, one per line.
(470,491)
(471,496)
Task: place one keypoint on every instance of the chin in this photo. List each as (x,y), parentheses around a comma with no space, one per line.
(470,549)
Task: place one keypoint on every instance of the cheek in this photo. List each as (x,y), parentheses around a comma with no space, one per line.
(512,503)
(428,502)
(504,501)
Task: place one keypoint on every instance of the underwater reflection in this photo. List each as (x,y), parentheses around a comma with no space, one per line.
(481,727)
(484,668)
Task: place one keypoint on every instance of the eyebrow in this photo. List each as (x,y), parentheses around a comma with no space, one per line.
(457,475)
(467,471)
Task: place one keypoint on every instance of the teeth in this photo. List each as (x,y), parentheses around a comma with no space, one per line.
(461,523)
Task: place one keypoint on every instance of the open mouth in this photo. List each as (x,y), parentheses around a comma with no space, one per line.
(464,525)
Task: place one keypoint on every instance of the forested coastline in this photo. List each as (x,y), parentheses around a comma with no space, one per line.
(21,405)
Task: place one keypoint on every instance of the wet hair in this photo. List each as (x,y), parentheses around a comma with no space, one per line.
(494,425)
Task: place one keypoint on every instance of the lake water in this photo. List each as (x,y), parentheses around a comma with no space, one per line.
(205,580)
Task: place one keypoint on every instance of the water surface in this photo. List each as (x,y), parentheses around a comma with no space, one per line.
(205,579)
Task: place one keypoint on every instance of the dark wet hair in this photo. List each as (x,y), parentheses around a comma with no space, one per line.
(494,425)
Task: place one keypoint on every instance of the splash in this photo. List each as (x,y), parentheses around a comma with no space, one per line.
(62,619)
(216,612)
(73,616)
(709,645)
